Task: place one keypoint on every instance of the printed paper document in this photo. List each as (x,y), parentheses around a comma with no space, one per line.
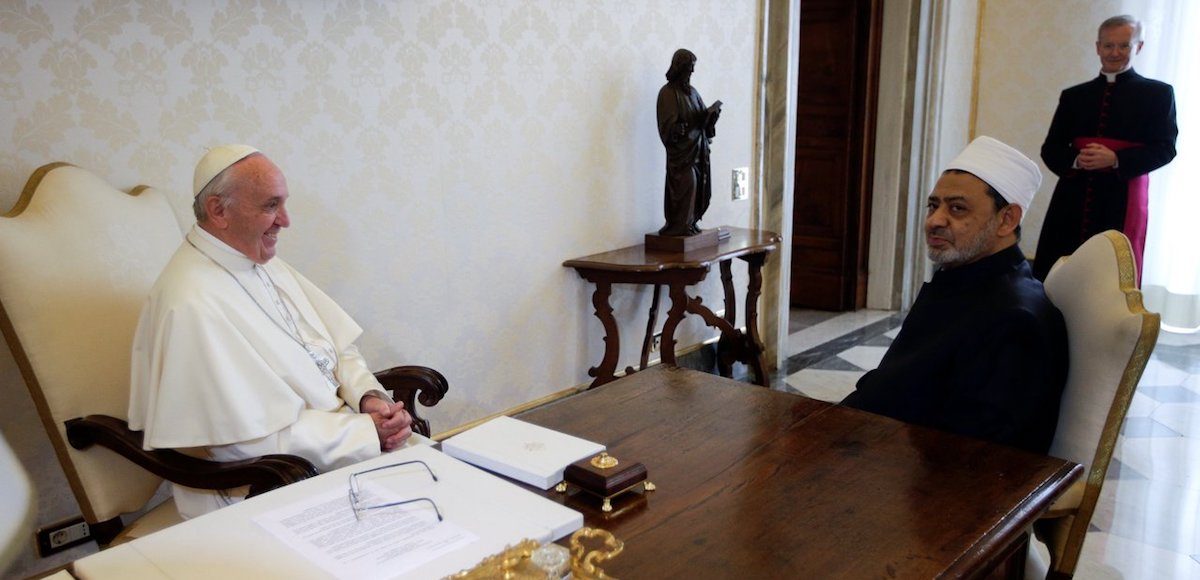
(383,544)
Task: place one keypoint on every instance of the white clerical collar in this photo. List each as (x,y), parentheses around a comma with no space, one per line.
(1112,77)
(219,251)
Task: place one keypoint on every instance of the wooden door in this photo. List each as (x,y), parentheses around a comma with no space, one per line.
(835,125)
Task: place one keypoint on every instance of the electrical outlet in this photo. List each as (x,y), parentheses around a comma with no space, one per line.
(741,183)
(62,535)
(656,342)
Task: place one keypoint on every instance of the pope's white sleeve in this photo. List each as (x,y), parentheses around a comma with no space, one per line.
(328,439)
(356,379)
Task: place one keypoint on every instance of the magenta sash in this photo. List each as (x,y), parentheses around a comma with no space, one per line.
(1137,202)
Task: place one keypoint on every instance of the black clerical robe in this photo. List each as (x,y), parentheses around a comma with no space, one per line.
(982,353)
(1134,109)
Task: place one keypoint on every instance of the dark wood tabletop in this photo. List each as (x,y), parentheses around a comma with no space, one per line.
(757,483)
(638,259)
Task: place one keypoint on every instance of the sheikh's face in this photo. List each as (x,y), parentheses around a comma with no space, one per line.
(961,222)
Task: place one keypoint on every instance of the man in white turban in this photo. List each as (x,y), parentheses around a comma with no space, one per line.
(982,352)
(237,355)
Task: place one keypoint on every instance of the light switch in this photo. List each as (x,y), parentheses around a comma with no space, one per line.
(741,183)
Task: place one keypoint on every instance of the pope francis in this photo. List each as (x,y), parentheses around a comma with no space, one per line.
(237,355)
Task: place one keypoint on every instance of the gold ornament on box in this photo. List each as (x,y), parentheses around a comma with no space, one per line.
(605,461)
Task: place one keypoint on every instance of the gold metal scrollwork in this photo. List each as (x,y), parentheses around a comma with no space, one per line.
(516,562)
(512,563)
(584,563)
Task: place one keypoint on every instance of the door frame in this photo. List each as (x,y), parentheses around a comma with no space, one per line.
(909,148)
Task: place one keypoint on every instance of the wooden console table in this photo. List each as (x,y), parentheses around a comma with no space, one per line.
(678,270)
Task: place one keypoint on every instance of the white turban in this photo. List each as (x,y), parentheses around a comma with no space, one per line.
(1014,176)
(218,159)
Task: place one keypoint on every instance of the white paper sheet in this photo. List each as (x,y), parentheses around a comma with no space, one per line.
(385,543)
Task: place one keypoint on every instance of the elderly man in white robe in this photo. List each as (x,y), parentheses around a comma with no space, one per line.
(237,355)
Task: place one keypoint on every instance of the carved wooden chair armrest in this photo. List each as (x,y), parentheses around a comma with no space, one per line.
(262,474)
(410,384)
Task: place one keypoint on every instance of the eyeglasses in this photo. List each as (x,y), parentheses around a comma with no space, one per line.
(360,505)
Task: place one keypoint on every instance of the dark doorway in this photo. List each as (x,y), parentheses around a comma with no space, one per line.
(835,127)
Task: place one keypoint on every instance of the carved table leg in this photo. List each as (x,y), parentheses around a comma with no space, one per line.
(650,328)
(679,298)
(612,340)
(730,296)
(677,282)
(754,345)
(728,347)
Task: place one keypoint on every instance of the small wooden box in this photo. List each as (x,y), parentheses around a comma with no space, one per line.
(604,482)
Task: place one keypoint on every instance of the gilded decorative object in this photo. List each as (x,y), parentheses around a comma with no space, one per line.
(604,461)
(529,561)
(525,561)
(606,506)
(585,563)
(552,559)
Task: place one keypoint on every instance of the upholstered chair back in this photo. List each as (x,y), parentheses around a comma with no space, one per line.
(77,259)
(1110,336)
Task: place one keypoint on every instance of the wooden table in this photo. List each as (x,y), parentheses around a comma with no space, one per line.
(755,483)
(678,270)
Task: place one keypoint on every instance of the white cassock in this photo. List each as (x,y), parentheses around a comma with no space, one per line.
(222,367)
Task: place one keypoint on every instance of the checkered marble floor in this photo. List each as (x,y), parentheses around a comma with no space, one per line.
(1147,522)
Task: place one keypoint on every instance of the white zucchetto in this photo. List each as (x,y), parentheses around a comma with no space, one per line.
(1013,175)
(215,161)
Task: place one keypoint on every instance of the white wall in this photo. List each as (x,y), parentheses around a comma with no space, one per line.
(444,157)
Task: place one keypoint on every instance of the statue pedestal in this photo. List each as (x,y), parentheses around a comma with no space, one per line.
(705,239)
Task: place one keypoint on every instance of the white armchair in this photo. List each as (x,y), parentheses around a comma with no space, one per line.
(1110,336)
(77,260)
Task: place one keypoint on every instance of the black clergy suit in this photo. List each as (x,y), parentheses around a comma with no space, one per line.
(1133,108)
(982,353)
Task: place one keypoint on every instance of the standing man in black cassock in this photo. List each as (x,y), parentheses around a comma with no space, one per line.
(983,352)
(1107,135)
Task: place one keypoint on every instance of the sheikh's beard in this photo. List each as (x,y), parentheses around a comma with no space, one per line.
(966,252)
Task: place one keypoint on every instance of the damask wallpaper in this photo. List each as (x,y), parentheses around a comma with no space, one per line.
(444,157)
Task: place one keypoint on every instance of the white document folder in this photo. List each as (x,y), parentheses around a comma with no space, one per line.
(523,451)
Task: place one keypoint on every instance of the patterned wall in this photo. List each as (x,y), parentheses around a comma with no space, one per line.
(444,157)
